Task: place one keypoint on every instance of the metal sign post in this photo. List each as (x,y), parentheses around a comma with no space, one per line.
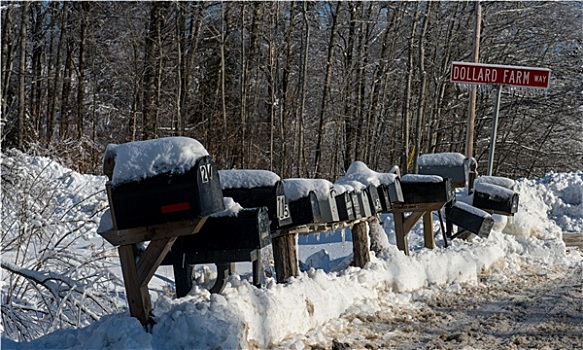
(494,128)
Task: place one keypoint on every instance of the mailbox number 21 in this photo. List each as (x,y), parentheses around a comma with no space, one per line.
(206,173)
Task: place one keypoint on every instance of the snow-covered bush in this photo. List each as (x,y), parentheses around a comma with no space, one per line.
(54,271)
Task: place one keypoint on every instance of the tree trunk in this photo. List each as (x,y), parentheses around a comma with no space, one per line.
(22,75)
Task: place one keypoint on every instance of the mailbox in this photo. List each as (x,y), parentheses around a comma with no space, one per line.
(496,199)
(470,218)
(168,196)
(328,208)
(374,200)
(305,210)
(270,195)
(364,204)
(345,208)
(249,230)
(449,165)
(426,189)
(355,205)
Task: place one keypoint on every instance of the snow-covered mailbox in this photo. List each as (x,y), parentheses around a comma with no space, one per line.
(158,190)
(230,236)
(160,181)
(258,188)
(344,206)
(470,218)
(426,189)
(495,194)
(305,196)
(387,186)
(359,196)
(450,165)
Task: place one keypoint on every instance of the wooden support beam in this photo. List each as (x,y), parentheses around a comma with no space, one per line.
(285,256)
(401,233)
(151,259)
(428,230)
(360,244)
(138,296)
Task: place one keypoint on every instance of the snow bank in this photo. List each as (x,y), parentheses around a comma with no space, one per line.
(142,159)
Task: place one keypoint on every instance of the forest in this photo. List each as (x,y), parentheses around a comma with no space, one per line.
(299,88)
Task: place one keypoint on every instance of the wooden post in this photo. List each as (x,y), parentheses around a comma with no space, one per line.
(360,244)
(400,233)
(138,296)
(285,256)
(428,230)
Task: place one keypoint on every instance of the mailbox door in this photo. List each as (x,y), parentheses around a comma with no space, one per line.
(374,200)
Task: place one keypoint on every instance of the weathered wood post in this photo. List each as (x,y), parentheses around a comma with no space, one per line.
(360,245)
(285,256)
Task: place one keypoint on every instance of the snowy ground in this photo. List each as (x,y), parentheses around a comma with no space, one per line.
(520,288)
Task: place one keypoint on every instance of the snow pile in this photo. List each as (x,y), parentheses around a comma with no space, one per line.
(359,176)
(143,159)
(564,195)
(247,178)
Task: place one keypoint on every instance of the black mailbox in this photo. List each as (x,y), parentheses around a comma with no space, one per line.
(496,199)
(305,210)
(374,199)
(453,166)
(345,208)
(470,218)
(426,189)
(168,197)
(273,197)
(248,230)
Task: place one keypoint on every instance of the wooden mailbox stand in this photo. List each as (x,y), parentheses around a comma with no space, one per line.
(285,245)
(404,224)
(138,269)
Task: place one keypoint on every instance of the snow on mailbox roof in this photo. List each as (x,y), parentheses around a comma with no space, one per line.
(495,180)
(247,178)
(494,191)
(471,209)
(143,159)
(421,178)
(359,172)
(447,158)
(298,188)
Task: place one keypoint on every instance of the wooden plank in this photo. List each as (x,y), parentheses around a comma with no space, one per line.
(360,244)
(402,207)
(411,220)
(138,296)
(285,257)
(154,232)
(151,259)
(428,230)
(400,233)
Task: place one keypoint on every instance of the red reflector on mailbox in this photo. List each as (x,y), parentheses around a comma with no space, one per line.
(171,208)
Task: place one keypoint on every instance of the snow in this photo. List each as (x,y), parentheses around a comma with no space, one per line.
(143,159)
(298,188)
(416,178)
(247,178)
(301,312)
(359,176)
(495,180)
(494,191)
(471,209)
(442,159)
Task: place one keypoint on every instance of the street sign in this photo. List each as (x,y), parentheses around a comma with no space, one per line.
(478,73)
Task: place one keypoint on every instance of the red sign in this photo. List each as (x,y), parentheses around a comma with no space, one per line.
(477,73)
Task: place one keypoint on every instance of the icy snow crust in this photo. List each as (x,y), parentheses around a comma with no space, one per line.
(247,178)
(279,315)
(143,159)
(442,159)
